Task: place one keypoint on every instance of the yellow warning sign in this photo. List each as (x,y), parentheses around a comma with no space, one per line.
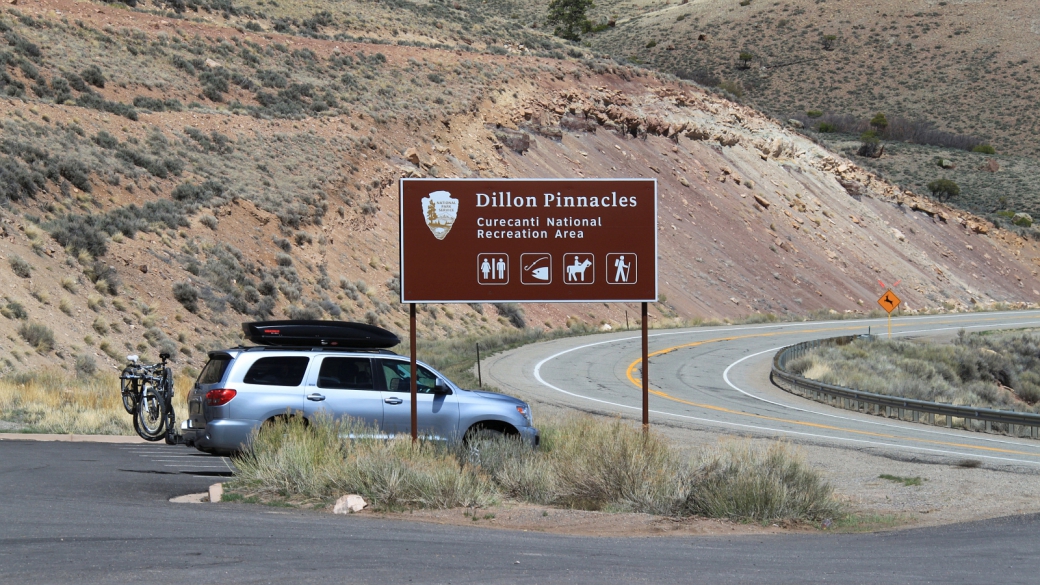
(889,301)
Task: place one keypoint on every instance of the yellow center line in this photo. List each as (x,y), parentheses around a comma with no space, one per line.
(630,373)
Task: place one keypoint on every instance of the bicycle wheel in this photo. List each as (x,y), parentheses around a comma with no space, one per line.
(128,388)
(150,420)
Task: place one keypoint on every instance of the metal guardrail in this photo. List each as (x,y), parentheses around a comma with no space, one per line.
(1017,424)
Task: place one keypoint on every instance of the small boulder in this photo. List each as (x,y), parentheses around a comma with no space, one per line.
(349,504)
(212,64)
(413,156)
(795,123)
(990,166)
(1022,219)
(762,201)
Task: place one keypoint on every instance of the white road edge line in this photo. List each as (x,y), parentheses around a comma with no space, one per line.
(538,376)
(924,429)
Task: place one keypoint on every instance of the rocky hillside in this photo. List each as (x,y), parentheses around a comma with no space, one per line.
(166,176)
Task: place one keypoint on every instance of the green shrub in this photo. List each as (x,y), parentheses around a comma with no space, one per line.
(742,482)
(20,267)
(1022,219)
(18,181)
(95,102)
(14,310)
(105,140)
(944,189)
(292,458)
(733,88)
(197,194)
(185,294)
(37,335)
(651,44)
(984,149)
(93,76)
(85,365)
(879,122)
(513,313)
(814,113)
(826,128)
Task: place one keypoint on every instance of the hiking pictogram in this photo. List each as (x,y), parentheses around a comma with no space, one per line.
(621,268)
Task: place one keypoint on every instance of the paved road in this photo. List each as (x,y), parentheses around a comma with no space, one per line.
(95,513)
(718,378)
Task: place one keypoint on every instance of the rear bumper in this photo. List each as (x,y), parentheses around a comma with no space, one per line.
(220,436)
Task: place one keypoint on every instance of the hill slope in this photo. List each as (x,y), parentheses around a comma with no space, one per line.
(166,178)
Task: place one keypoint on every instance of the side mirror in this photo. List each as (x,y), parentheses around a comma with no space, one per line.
(441,389)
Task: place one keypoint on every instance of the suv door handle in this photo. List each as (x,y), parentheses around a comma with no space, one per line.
(393,400)
(315,397)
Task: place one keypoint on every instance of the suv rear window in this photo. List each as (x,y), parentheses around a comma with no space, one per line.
(213,373)
(277,371)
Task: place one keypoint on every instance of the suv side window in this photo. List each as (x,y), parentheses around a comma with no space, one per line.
(397,377)
(277,371)
(346,373)
(213,373)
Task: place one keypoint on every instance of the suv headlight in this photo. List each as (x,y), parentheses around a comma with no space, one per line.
(525,411)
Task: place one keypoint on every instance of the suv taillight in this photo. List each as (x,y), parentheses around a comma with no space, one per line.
(220,396)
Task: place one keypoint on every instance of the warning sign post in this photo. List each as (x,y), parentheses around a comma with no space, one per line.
(889,301)
(529,240)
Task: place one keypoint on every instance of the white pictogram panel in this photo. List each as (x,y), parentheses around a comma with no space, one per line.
(622,268)
(579,268)
(536,268)
(493,268)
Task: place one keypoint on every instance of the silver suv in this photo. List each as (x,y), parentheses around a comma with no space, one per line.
(240,389)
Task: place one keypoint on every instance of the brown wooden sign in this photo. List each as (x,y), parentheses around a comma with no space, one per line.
(528,240)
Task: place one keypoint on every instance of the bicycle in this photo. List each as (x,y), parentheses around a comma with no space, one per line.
(147,392)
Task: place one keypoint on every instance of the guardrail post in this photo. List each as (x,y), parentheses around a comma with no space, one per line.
(949,422)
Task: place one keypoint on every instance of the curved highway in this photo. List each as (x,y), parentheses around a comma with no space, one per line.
(717,378)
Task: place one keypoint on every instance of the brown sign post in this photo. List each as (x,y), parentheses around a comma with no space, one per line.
(529,240)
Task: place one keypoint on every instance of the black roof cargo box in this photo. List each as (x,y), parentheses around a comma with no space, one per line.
(319,334)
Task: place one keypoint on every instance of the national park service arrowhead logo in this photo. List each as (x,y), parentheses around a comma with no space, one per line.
(440,210)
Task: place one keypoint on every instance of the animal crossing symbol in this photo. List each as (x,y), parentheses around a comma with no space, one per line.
(889,301)
(579,268)
(622,268)
(537,269)
(492,268)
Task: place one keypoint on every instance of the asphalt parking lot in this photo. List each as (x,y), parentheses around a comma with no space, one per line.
(100,513)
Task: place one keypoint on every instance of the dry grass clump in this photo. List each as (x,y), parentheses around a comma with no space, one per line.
(292,458)
(52,401)
(740,480)
(583,463)
(989,370)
